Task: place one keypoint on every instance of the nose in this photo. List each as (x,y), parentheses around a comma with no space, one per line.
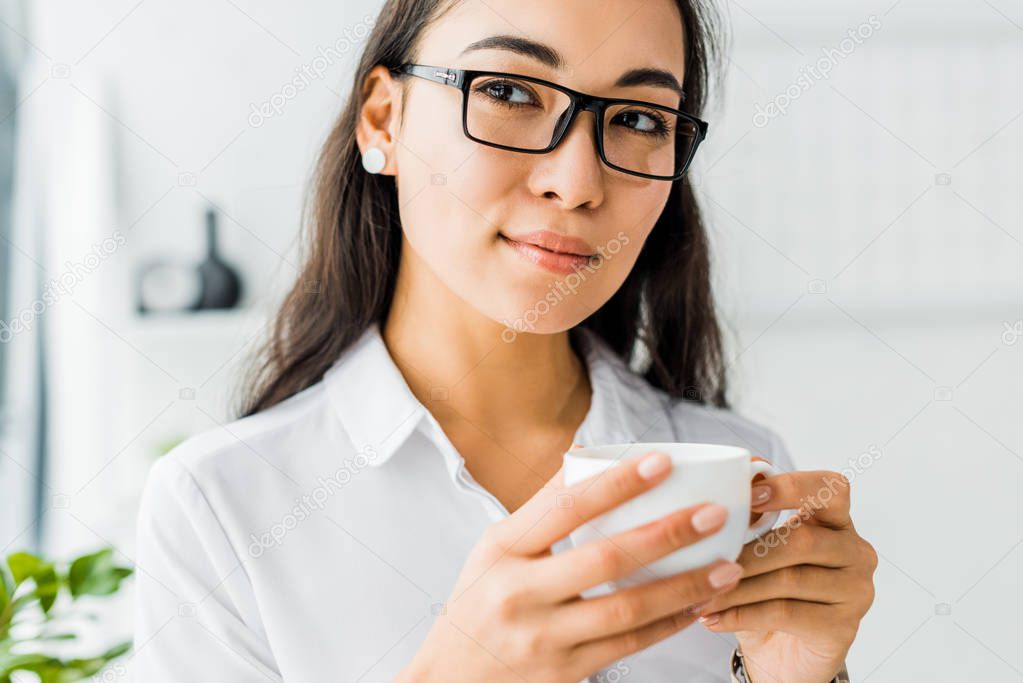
(572,171)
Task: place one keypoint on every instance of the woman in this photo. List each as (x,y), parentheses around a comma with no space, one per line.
(484,262)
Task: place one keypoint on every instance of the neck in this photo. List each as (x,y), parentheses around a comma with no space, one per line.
(458,364)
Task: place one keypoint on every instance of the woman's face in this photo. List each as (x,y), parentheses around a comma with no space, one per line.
(461,200)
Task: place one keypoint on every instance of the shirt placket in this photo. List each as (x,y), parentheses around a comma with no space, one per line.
(455,464)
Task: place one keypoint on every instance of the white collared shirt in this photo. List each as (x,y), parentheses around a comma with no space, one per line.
(315,541)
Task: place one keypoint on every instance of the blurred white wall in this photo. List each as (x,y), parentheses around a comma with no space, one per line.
(868,245)
(871,249)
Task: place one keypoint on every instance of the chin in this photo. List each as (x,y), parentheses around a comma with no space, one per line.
(540,315)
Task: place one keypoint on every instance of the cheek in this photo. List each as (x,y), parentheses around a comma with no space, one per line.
(456,243)
(446,215)
(447,240)
(451,212)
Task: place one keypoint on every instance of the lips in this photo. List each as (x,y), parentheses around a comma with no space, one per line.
(556,253)
(553,242)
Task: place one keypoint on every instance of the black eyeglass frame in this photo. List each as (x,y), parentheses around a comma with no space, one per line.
(462,78)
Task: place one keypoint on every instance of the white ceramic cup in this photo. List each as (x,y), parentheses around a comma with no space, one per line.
(701,473)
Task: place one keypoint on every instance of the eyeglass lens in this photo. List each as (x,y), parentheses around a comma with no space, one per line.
(526,115)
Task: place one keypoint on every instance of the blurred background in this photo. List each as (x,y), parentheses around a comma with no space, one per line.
(862,181)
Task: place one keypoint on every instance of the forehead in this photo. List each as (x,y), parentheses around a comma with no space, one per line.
(597,39)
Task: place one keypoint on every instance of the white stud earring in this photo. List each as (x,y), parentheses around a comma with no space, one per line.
(373,160)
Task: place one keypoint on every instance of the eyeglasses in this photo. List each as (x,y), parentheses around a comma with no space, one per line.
(531,115)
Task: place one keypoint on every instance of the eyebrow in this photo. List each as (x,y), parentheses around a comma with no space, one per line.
(549,56)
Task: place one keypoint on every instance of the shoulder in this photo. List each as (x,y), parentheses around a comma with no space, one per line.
(190,542)
(220,472)
(269,440)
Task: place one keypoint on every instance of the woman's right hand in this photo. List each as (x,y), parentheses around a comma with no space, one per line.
(516,612)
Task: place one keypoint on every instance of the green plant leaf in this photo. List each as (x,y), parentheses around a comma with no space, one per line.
(93,665)
(47,586)
(23,566)
(6,585)
(54,670)
(117,650)
(57,636)
(6,595)
(23,662)
(96,574)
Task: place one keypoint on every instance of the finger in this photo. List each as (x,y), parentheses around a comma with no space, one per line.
(596,654)
(570,572)
(795,543)
(555,510)
(797,617)
(624,610)
(820,496)
(798,582)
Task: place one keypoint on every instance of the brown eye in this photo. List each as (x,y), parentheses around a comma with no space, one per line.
(507,92)
(647,122)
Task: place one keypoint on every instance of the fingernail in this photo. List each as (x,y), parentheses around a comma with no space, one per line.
(653,465)
(725,574)
(708,517)
(710,619)
(761,494)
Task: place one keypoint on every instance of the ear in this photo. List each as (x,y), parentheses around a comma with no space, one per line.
(378,119)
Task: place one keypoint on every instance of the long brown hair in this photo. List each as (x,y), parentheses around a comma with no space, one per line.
(347,280)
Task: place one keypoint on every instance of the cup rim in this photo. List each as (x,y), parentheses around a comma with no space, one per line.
(619,451)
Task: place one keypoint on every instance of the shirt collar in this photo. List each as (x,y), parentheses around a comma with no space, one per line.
(371,397)
(379,411)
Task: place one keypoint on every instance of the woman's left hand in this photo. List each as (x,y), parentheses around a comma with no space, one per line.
(806,584)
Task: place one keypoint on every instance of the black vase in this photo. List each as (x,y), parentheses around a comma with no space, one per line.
(220,284)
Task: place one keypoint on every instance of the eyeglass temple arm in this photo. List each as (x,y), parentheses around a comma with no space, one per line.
(452,77)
